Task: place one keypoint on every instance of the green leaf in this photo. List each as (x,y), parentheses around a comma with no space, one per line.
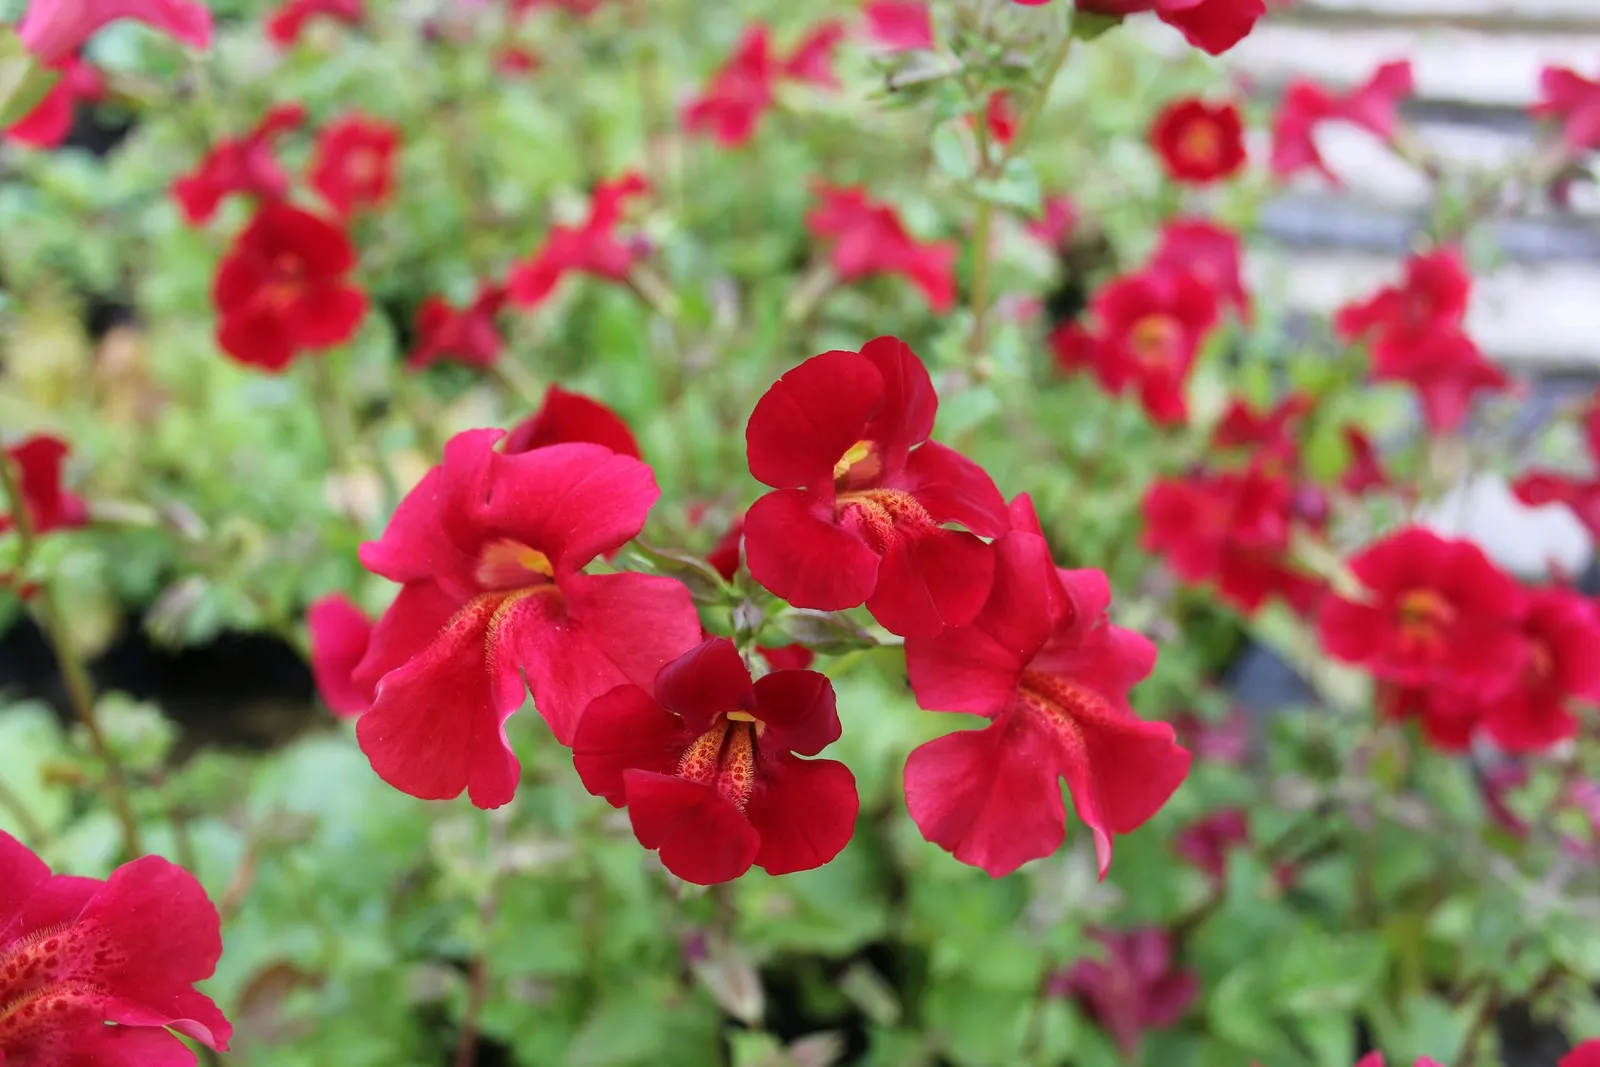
(1017,187)
(30,741)
(1086,25)
(24,81)
(1319,973)
(951,154)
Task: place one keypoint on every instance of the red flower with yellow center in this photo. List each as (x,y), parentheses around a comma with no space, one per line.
(490,549)
(862,498)
(1198,143)
(77,954)
(1042,662)
(706,762)
(353,166)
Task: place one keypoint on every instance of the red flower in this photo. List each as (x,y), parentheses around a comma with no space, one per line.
(238,165)
(1198,143)
(1136,988)
(1211,254)
(1580,495)
(1151,326)
(1230,528)
(1435,614)
(353,166)
(1566,95)
(283,288)
(1060,219)
(79,953)
(1041,661)
(567,417)
(466,335)
(48,124)
(1448,719)
(1373,105)
(1271,432)
(490,549)
(55,29)
(1213,26)
(285,25)
(591,248)
(706,766)
(1587,1054)
(1000,117)
(862,496)
(1364,471)
(899,25)
(340,636)
(739,93)
(1225,740)
(866,237)
(1206,842)
(50,507)
(812,59)
(1446,370)
(1561,662)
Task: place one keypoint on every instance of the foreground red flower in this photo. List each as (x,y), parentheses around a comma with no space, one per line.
(1374,106)
(284,288)
(706,763)
(54,29)
(1586,1054)
(353,166)
(464,335)
(244,165)
(1212,26)
(77,954)
(1568,96)
(590,248)
(490,551)
(1041,661)
(38,461)
(739,93)
(285,25)
(899,25)
(567,417)
(340,634)
(861,496)
(48,124)
(1150,327)
(1233,529)
(1435,613)
(1136,988)
(1210,253)
(865,237)
(1199,143)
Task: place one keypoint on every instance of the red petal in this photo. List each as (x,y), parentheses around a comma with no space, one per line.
(566,417)
(340,633)
(701,836)
(617,628)
(1120,771)
(21,872)
(330,315)
(705,682)
(905,417)
(437,725)
(1216,25)
(128,1045)
(954,489)
(260,340)
(415,547)
(936,579)
(810,417)
(623,730)
(990,797)
(417,616)
(804,810)
(803,558)
(799,711)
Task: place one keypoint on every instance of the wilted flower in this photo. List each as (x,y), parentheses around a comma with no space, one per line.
(1135,989)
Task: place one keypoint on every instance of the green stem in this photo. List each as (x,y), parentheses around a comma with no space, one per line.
(74,671)
(32,833)
(331,418)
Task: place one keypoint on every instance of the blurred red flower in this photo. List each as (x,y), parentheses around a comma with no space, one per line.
(1269,433)
(812,59)
(1000,117)
(1364,471)
(340,635)
(1566,95)
(590,248)
(1136,988)
(284,288)
(54,29)
(285,25)
(1199,143)
(865,237)
(861,496)
(1213,26)
(1206,842)
(48,124)
(899,25)
(490,551)
(739,93)
(1434,613)
(80,953)
(1209,252)
(1060,218)
(354,162)
(50,506)
(464,335)
(1044,664)
(1374,105)
(1560,663)
(238,165)
(1586,1054)
(564,417)
(706,763)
